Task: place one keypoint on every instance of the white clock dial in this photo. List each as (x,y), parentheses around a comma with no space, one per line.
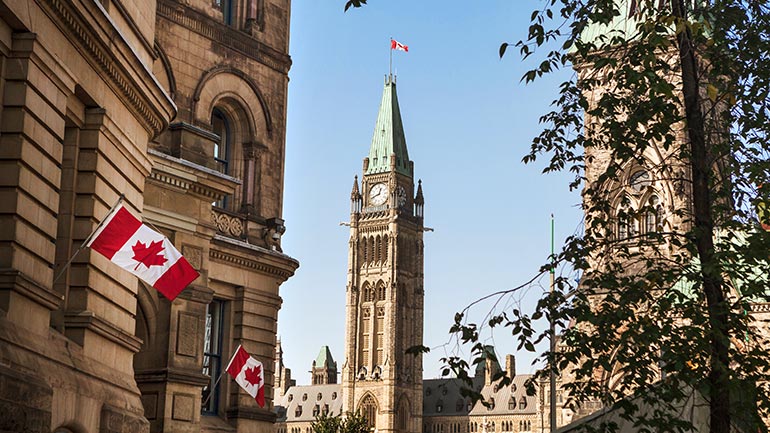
(378,194)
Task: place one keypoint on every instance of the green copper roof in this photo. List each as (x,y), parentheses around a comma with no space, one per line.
(325,358)
(388,135)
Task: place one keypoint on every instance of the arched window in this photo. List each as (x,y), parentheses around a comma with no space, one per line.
(378,249)
(625,220)
(384,254)
(363,251)
(403,415)
(522,403)
(368,409)
(652,219)
(511,403)
(222,126)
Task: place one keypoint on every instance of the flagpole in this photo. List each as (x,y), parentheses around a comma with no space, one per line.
(88,239)
(390,65)
(213,389)
(552,400)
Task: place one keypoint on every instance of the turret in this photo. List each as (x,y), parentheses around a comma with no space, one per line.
(355,197)
(419,201)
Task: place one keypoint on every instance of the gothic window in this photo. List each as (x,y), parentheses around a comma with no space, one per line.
(402,416)
(212,356)
(384,253)
(491,404)
(364,259)
(370,253)
(652,218)
(625,220)
(368,408)
(379,333)
(378,249)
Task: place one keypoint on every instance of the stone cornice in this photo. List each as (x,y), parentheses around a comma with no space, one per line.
(226,36)
(171,374)
(92,322)
(90,28)
(184,175)
(257,258)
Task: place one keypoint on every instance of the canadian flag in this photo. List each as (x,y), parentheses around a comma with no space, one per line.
(149,255)
(398,46)
(248,373)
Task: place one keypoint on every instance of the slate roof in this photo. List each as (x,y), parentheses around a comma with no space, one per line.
(307,397)
(441,397)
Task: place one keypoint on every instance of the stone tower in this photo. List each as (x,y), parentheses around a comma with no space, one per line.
(324,369)
(385,282)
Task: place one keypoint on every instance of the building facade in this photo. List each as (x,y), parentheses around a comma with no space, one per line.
(178,107)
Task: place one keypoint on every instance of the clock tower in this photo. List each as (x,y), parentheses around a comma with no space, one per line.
(384,312)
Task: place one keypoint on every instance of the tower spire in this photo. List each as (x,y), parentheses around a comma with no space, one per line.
(388,139)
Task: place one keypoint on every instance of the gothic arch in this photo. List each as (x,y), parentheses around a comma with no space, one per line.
(209,89)
(403,414)
(369,408)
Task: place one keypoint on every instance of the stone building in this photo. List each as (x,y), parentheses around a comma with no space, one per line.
(180,107)
(384,312)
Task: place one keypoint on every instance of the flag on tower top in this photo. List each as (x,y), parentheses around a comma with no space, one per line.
(398,46)
(248,373)
(149,255)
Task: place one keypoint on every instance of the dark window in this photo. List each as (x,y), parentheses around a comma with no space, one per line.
(212,356)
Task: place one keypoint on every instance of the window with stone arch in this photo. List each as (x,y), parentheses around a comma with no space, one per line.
(364,250)
(236,153)
(384,249)
(403,415)
(368,408)
(653,217)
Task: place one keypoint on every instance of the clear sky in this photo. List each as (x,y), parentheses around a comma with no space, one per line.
(468,121)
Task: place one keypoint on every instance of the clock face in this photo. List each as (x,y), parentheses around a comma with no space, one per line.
(401,196)
(378,194)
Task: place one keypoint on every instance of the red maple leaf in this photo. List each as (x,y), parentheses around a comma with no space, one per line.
(149,256)
(252,375)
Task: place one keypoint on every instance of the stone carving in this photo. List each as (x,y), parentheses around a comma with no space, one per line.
(183,407)
(226,224)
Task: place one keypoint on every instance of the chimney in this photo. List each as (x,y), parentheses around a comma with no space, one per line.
(510,366)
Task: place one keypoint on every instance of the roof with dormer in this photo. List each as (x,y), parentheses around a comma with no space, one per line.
(388,138)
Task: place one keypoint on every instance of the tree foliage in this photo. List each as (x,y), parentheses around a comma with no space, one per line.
(664,126)
(353,422)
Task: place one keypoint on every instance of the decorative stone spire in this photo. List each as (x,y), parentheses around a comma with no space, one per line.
(388,141)
(419,201)
(355,198)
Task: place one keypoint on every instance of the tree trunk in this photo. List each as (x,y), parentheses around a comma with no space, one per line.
(703,230)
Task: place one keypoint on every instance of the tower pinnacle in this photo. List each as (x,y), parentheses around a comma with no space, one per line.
(388,150)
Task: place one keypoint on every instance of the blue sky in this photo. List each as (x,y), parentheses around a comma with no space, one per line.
(468,122)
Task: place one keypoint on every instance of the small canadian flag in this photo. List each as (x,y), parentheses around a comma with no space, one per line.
(398,46)
(248,373)
(149,255)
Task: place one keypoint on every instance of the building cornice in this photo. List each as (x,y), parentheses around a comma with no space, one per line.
(183,175)
(255,258)
(90,28)
(225,35)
